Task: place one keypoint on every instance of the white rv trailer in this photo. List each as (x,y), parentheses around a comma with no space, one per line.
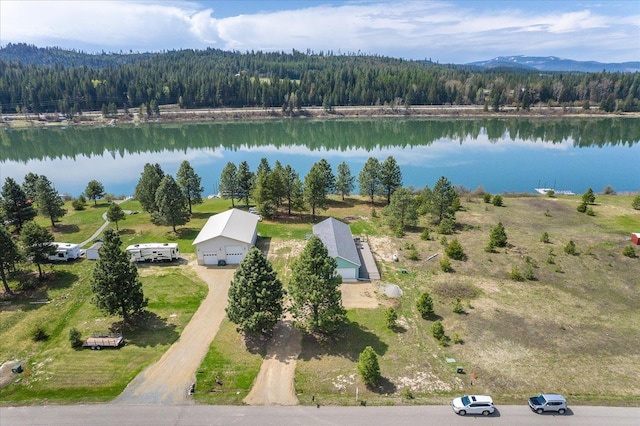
(65,251)
(153,252)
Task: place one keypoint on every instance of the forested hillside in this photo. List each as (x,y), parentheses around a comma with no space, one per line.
(52,80)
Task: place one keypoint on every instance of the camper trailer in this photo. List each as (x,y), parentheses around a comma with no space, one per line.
(153,252)
(65,252)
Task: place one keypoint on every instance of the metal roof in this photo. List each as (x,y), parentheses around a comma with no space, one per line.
(234,224)
(336,236)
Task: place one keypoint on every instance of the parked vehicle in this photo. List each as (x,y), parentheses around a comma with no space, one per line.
(99,341)
(473,404)
(548,402)
(153,252)
(65,252)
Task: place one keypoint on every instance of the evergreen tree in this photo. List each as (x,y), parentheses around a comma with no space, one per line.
(277,183)
(16,207)
(589,197)
(246,181)
(439,201)
(329,178)
(424,305)
(402,210)
(29,185)
(390,177)
(498,236)
(36,242)
(147,186)
(49,201)
(262,192)
(229,187)
(115,284)
(9,255)
(189,183)
(94,190)
(369,179)
(368,367)
(291,181)
(171,204)
(345,182)
(255,295)
(316,302)
(115,214)
(315,188)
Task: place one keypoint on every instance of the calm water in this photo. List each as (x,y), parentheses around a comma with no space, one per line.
(501,155)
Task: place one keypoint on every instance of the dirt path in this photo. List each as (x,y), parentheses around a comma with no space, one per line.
(167,381)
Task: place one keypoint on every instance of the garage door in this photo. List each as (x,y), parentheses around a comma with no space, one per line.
(235,254)
(210,258)
(348,273)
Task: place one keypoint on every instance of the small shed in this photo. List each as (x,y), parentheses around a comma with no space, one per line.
(336,236)
(227,237)
(635,238)
(92,252)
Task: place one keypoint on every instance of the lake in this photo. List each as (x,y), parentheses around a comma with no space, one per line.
(501,155)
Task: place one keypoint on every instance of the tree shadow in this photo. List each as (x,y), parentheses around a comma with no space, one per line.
(67,229)
(384,386)
(264,244)
(187,233)
(256,343)
(126,231)
(348,342)
(146,329)
(201,215)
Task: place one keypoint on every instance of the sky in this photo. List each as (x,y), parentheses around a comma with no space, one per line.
(442,31)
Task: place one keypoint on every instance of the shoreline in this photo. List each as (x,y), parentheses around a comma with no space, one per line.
(173,114)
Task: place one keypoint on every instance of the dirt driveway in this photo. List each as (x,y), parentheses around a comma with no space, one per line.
(168,380)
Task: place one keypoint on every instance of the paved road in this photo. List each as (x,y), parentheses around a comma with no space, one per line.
(142,415)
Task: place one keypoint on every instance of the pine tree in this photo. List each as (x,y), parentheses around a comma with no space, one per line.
(368,366)
(229,182)
(29,185)
(147,186)
(15,205)
(316,299)
(49,201)
(369,179)
(115,214)
(94,190)
(345,182)
(115,284)
(589,197)
(315,189)
(439,201)
(498,236)
(329,178)
(246,180)
(424,305)
(189,182)
(36,243)
(255,295)
(402,210)
(171,204)
(390,177)
(9,255)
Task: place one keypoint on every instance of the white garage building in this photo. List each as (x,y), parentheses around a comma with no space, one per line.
(226,236)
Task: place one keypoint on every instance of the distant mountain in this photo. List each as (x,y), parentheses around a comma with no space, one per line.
(553,63)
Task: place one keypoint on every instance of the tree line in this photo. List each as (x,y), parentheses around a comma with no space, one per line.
(214,78)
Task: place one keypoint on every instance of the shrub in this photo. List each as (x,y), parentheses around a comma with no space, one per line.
(444,241)
(425,236)
(497,200)
(75,338)
(551,193)
(79,203)
(454,250)
(447,226)
(490,247)
(457,339)
(407,393)
(629,251)
(582,207)
(374,213)
(528,273)
(589,197)
(457,306)
(545,237)
(445,264)
(609,190)
(28,284)
(39,334)
(412,254)
(636,202)
(515,274)
(437,329)
(424,305)
(487,198)
(390,317)
(368,366)
(590,212)
(498,236)
(570,248)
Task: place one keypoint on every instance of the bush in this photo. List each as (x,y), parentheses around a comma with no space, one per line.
(551,193)
(582,207)
(609,190)
(457,306)
(445,264)
(39,334)
(629,251)
(79,203)
(528,273)
(457,339)
(487,198)
(412,254)
(498,236)
(75,338)
(437,329)
(407,393)
(368,366)
(447,226)
(515,274)
(490,247)
(636,202)
(545,237)
(590,212)
(454,250)
(444,241)
(390,317)
(570,248)
(424,305)
(497,200)
(425,235)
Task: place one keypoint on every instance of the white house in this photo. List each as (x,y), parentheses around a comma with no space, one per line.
(336,236)
(227,236)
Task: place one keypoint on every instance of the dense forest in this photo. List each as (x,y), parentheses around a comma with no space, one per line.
(53,80)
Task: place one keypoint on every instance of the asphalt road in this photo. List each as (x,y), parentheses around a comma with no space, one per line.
(141,415)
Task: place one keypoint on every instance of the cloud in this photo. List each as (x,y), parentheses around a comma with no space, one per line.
(443,30)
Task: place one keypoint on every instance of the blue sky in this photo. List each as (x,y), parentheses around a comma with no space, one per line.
(444,31)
